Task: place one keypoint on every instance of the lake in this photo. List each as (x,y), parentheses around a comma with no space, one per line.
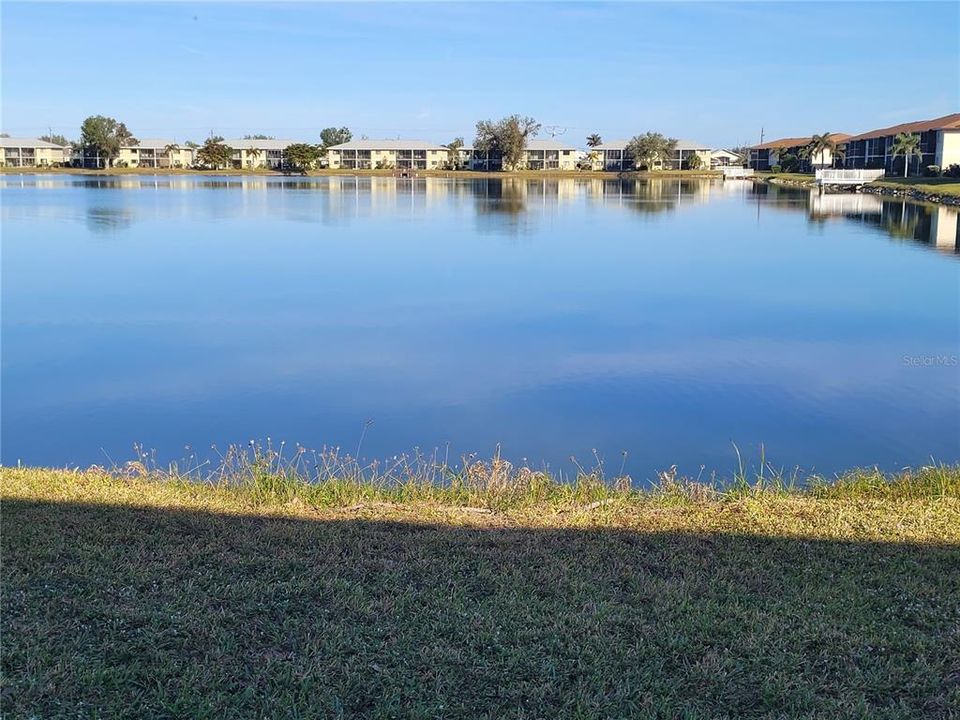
(663,319)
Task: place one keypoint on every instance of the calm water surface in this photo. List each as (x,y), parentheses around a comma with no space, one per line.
(666,319)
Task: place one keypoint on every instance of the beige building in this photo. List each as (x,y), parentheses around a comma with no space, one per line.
(155,153)
(612,156)
(31,152)
(538,155)
(259,153)
(387,155)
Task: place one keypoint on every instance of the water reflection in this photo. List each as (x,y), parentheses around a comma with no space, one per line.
(555,315)
(507,205)
(108,220)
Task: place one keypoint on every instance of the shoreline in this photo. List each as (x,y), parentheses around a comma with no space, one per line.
(891,187)
(525,174)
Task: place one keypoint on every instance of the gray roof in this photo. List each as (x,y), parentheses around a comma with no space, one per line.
(548,145)
(396,144)
(691,145)
(245,144)
(611,145)
(155,143)
(11,142)
(622,144)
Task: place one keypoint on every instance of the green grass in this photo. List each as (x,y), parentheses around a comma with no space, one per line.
(786,177)
(932,185)
(490,592)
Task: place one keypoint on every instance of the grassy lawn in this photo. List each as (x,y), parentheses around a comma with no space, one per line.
(139,597)
(934,185)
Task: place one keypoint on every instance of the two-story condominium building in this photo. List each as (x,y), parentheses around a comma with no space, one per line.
(768,154)
(939,143)
(683,150)
(387,155)
(31,152)
(251,153)
(538,155)
(155,153)
(612,156)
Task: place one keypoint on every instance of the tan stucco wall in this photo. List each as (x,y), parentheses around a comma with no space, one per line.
(948,148)
(42,156)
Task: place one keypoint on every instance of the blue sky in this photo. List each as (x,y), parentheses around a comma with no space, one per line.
(712,72)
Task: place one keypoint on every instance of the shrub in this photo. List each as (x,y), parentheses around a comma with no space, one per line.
(953,171)
(776,169)
(932,171)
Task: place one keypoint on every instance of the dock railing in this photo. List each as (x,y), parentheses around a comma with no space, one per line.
(826,176)
(736,172)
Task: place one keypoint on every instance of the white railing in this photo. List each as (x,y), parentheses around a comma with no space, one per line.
(736,172)
(848,176)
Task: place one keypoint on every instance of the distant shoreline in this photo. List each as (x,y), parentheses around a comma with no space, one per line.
(534,174)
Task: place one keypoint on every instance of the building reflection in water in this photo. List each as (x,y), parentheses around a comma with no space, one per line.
(932,225)
(507,205)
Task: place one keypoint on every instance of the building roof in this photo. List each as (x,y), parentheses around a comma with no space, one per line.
(395,144)
(11,142)
(691,145)
(611,145)
(155,143)
(261,144)
(797,142)
(723,151)
(947,122)
(548,145)
(622,144)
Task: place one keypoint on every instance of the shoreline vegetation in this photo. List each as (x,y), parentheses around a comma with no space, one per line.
(499,592)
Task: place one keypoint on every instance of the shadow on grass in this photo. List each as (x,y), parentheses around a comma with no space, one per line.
(121,612)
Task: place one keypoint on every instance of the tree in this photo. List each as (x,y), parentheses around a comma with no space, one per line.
(254,152)
(102,137)
(56,139)
(594,140)
(818,146)
(648,149)
(169,150)
(908,145)
(506,138)
(839,154)
(215,153)
(694,162)
(191,144)
(453,152)
(334,136)
(301,156)
(259,137)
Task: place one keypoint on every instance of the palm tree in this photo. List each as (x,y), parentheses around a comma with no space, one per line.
(594,140)
(168,150)
(453,152)
(839,153)
(254,152)
(819,145)
(908,145)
